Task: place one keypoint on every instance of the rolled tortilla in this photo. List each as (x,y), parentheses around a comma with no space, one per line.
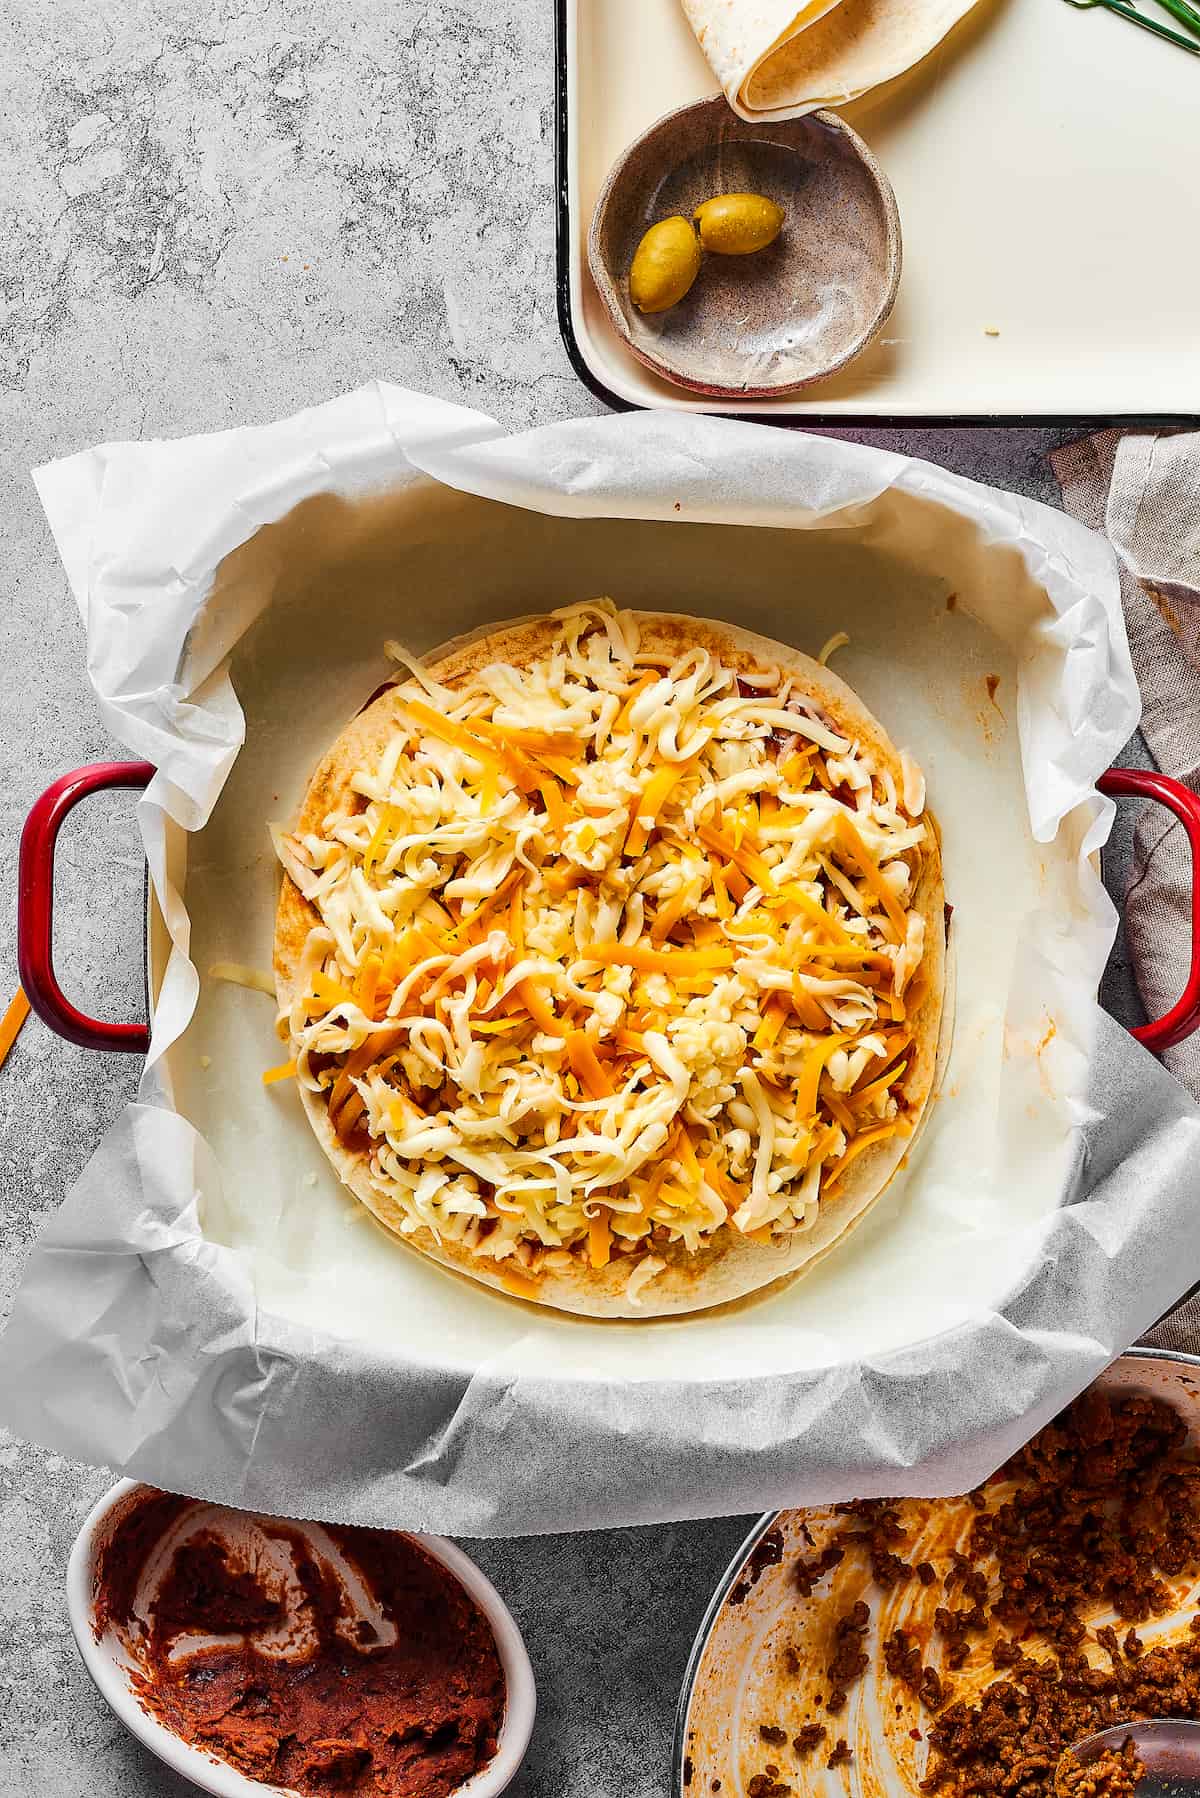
(775,62)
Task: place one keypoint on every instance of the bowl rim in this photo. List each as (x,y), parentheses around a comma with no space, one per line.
(606,283)
(221,1778)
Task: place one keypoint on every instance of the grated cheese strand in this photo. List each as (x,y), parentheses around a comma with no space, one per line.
(609,954)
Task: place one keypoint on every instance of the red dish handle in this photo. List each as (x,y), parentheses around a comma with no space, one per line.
(1139,783)
(35,907)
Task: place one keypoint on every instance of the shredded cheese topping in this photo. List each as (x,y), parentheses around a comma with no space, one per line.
(614,951)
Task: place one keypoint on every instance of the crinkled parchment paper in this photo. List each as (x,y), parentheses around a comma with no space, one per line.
(209,1310)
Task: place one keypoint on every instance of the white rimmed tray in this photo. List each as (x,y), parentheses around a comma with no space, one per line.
(1044,161)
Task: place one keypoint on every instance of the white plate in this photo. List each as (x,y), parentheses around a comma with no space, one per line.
(1045,165)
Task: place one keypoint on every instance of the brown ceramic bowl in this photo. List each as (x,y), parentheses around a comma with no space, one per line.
(756,326)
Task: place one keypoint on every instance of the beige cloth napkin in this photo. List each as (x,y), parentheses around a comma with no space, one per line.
(1144,493)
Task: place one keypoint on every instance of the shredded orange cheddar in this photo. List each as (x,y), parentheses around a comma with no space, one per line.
(774,1018)
(814,1065)
(285,1071)
(562,880)
(537,1005)
(556,808)
(487,789)
(327,991)
(838,1108)
(720,1181)
(793,901)
(560,767)
(457,735)
(685,1153)
(743,856)
(853,845)
(864,1140)
(797,768)
(367,984)
(668,915)
(846,953)
(621,721)
(646,807)
(586,1066)
(516,918)
(11,1022)
(862,1096)
(659,961)
(807,1010)
(720,889)
(502,757)
(484,910)
(536,741)
(599,1239)
(520,1285)
(384,833)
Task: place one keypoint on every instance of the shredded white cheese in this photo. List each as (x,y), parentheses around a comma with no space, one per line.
(612,953)
(256,980)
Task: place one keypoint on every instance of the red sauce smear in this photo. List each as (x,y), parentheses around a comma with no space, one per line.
(414,1719)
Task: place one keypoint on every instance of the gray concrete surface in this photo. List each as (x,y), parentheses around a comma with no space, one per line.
(213,214)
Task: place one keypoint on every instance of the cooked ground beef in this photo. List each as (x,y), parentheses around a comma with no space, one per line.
(767,1553)
(807,1573)
(881,1534)
(903,1660)
(764,1785)
(849,1658)
(1096,1513)
(1106,1501)
(1113,1774)
(808,1738)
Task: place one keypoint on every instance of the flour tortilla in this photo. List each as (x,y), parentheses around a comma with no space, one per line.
(777,61)
(728,1267)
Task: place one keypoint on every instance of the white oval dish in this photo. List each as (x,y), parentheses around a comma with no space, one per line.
(109,1666)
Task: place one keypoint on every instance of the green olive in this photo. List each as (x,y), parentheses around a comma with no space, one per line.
(738,224)
(665,264)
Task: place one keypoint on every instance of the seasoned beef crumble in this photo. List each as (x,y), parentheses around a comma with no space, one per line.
(1113,1774)
(1097,1513)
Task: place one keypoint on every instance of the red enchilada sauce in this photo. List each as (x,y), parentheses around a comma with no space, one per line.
(325,1658)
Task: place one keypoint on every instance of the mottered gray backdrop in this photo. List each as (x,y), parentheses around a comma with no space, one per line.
(218,214)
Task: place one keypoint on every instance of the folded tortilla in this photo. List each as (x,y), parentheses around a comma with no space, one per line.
(777,61)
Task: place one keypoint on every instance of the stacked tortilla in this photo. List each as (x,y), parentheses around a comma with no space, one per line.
(776,60)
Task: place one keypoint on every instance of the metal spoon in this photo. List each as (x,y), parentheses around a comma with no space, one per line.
(1137,18)
(1168,1747)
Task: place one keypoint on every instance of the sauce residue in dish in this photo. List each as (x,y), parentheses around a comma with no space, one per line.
(324,1658)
